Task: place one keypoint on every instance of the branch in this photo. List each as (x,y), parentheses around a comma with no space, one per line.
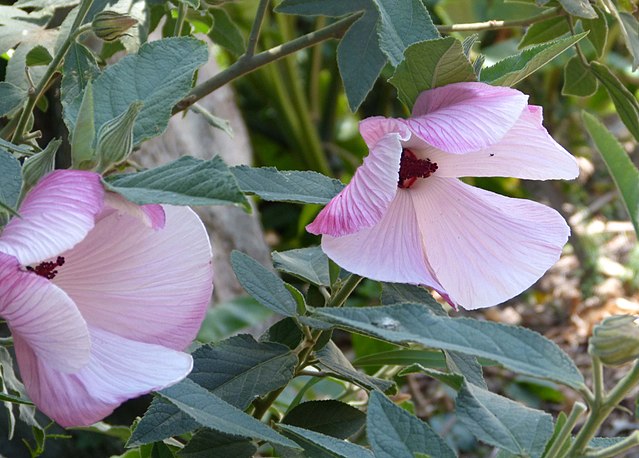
(494,24)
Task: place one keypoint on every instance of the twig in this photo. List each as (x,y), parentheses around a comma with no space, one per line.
(495,24)
(255,29)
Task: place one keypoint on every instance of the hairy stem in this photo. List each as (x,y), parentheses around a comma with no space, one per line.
(345,291)
(255,29)
(564,433)
(494,24)
(181,18)
(617,449)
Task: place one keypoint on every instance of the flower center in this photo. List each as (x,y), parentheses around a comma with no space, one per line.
(411,168)
(47,269)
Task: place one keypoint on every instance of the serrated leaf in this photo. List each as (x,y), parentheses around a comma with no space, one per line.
(578,80)
(597,29)
(506,424)
(623,171)
(319,445)
(208,443)
(625,102)
(548,30)
(329,417)
(11,97)
(10,179)
(226,33)
(579,8)
(395,433)
(402,24)
(333,360)
(168,66)
(431,64)
(516,348)
(285,332)
(186,181)
(268,183)
(212,412)
(513,69)
(266,287)
(310,264)
(396,293)
(466,366)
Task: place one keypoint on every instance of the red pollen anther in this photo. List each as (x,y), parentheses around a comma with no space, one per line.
(411,168)
(47,269)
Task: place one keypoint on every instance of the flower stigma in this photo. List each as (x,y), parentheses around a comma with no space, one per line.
(411,168)
(47,269)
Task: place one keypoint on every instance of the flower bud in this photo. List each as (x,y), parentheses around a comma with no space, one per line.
(115,138)
(39,165)
(109,25)
(615,340)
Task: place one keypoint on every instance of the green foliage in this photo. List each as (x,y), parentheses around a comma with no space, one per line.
(11,181)
(544,31)
(597,29)
(225,32)
(578,79)
(579,8)
(208,443)
(11,97)
(322,446)
(329,417)
(309,264)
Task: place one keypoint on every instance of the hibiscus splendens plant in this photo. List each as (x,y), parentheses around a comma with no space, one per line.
(433,181)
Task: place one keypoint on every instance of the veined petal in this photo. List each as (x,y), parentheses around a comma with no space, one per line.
(373,129)
(42,315)
(152,215)
(150,285)
(119,369)
(527,151)
(54,216)
(464,117)
(485,248)
(389,251)
(363,202)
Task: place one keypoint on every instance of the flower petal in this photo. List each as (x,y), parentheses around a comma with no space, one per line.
(389,251)
(373,129)
(465,117)
(526,151)
(150,285)
(55,215)
(44,316)
(485,248)
(152,215)
(119,369)
(363,202)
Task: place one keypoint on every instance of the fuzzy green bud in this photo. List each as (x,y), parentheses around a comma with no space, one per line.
(115,138)
(615,340)
(109,25)
(38,165)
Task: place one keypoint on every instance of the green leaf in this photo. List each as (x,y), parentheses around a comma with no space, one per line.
(11,97)
(319,445)
(161,420)
(625,102)
(597,29)
(623,171)
(579,8)
(466,366)
(263,285)
(578,80)
(329,417)
(455,381)
(513,69)
(395,433)
(208,443)
(396,293)
(38,55)
(431,64)
(82,150)
(186,181)
(310,264)
(401,24)
(212,412)
(518,349)
(79,68)
(285,332)
(230,317)
(20,149)
(541,32)
(360,59)
(333,360)
(506,424)
(10,179)
(333,8)
(404,357)
(288,186)
(168,66)
(226,33)
(630,30)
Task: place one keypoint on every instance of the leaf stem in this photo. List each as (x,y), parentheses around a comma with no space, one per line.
(495,24)
(564,433)
(348,286)
(35,94)
(255,29)
(244,66)
(181,18)
(580,53)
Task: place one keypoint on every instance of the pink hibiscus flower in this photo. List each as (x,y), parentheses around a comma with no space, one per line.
(101,295)
(406,217)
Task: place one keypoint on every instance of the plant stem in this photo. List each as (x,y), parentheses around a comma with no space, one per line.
(346,289)
(580,53)
(255,29)
(597,381)
(181,18)
(262,405)
(494,24)
(243,66)
(35,95)
(564,433)
(616,450)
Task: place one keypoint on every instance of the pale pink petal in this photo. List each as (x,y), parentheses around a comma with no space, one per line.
(150,285)
(119,369)
(526,151)
(389,251)
(44,316)
(373,129)
(465,117)
(55,215)
(485,248)
(152,215)
(363,202)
